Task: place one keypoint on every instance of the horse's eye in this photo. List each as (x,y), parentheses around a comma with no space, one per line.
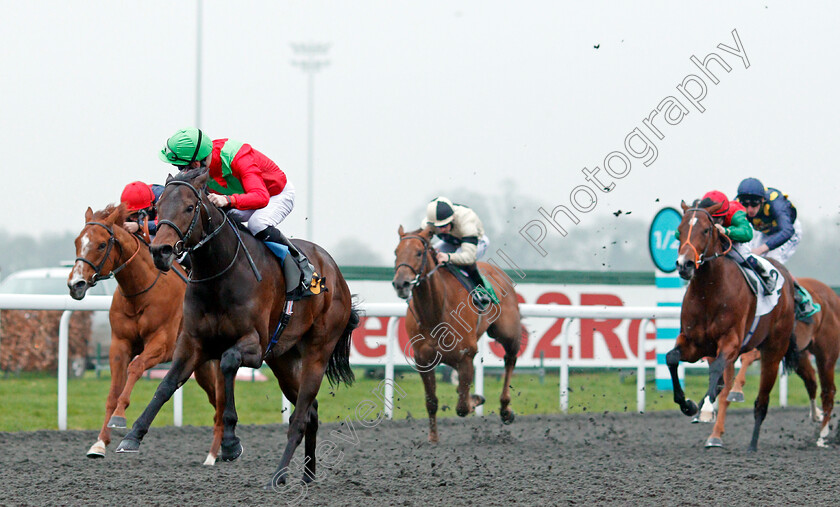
(419,254)
(190,209)
(707,230)
(102,246)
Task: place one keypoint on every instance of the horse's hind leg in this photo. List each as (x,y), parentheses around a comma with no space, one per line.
(153,353)
(210,379)
(809,377)
(119,355)
(183,364)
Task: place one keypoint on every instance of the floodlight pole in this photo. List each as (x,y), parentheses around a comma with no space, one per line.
(309,58)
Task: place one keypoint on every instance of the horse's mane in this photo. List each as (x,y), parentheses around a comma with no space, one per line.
(705,203)
(189,174)
(105,212)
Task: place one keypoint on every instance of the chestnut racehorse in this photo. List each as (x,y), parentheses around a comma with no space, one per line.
(823,332)
(145,316)
(232,313)
(717,314)
(445,323)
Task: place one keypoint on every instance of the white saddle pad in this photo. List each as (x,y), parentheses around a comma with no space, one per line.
(766,302)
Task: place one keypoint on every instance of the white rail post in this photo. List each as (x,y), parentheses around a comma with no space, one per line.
(63,353)
(640,369)
(479,372)
(564,366)
(178,407)
(390,345)
(783,388)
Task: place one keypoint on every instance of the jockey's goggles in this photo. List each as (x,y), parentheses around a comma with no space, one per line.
(751,203)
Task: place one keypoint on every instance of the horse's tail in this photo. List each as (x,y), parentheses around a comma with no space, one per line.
(338,369)
(791,359)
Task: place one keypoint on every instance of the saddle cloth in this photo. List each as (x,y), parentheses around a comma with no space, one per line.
(765,302)
(468,284)
(281,251)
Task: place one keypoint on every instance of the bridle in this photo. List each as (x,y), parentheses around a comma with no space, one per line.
(419,275)
(97,269)
(700,258)
(179,246)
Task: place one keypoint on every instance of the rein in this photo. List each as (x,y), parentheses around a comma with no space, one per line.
(419,276)
(97,269)
(700,258)
(180,247)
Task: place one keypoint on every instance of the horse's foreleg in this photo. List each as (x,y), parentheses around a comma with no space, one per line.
(715,439)
(505,411)
(672,359)
(809,378)
(183,365)
(466,400)
(152,355)
(769,371)
(119,355)
(431,402)
(211,380)
(310,443)
(825,367)
(740,381)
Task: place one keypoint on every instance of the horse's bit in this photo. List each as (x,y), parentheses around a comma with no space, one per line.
(700,258)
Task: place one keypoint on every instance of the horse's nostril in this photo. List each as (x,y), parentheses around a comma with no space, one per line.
(79,285)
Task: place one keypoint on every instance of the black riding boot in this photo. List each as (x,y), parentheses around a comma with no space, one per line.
(307,270)
(768,280)
(480,296)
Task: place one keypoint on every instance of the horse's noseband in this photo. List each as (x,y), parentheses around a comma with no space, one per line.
(419,275)
(97,269)
(180,246)
(701,257)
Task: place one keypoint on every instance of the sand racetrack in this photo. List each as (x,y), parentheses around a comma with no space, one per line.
(651,459)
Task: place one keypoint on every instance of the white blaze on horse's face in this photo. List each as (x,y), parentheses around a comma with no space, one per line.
(79,266)
(692,221)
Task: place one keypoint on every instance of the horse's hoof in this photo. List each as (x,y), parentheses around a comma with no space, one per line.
(689,408)
(210,460)
(97,450)
(821,443)
(117,422)
(707,417)
(735,397)
(751,449)
(128,445)
(714,442)
(307,479)
(231,452)
(477,400)
(507,416)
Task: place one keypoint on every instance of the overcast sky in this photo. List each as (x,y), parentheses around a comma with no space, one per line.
(419,99)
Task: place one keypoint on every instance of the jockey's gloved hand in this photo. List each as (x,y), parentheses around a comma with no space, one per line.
(721,229)
(220,201)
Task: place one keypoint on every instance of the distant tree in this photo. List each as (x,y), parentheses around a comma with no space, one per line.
(24,252)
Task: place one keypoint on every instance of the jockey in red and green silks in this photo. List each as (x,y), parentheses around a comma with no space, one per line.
(247,183)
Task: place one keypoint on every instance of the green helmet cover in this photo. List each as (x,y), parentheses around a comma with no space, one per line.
(186,146)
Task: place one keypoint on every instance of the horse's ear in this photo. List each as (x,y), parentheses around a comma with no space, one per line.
(88,214)
(114,217)
(168,178)
(714,208)
(200,181)
(401,231)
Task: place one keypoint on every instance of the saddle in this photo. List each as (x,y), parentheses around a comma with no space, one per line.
(764,302)
(464,278)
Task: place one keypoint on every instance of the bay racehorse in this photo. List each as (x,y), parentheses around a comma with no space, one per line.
(233,312)
(445,324)
(823,335)
(145,316)
(717,316)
